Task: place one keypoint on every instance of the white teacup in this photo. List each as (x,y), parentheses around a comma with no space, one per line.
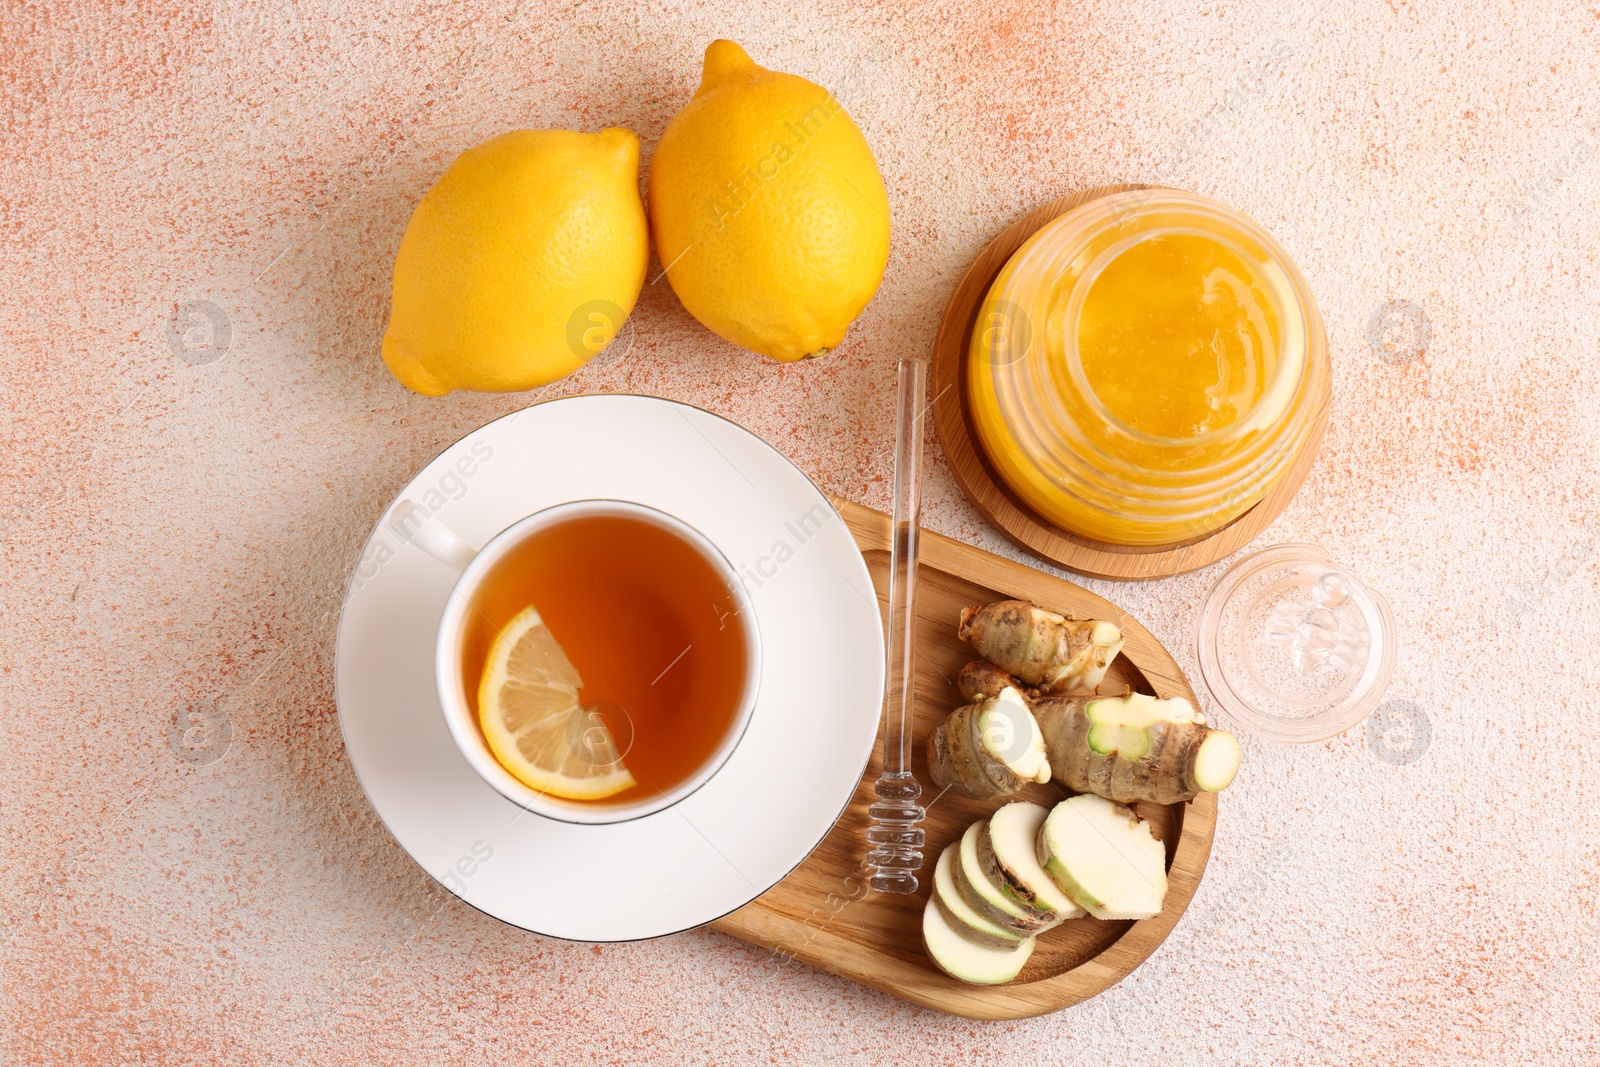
(413,524)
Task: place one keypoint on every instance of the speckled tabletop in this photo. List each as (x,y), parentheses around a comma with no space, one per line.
(199,208)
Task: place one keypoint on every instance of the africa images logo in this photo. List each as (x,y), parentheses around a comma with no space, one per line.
(449,486)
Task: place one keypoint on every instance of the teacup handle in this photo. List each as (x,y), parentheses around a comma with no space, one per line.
(432,536)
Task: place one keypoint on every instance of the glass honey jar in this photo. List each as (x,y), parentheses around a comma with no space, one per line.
(1146,367)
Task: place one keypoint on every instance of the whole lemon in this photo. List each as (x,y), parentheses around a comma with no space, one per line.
(520,264)
(767,209)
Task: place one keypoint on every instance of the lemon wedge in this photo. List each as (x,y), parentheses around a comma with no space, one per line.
(529,711)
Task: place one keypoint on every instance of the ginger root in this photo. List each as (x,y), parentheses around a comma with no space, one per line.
(981,680)
(988,748)
(1055,654)
(1127,748)
(1135,747)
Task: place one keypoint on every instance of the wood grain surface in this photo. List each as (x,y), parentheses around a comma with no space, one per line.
(822,914)
(1004,509)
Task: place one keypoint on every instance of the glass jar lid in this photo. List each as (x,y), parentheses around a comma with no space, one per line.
(1293,648)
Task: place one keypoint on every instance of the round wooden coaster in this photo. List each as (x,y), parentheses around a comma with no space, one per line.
(1007,512)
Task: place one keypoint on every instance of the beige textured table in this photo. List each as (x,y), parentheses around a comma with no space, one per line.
(198,209)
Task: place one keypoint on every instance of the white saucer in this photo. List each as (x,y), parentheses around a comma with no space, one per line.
(795,768)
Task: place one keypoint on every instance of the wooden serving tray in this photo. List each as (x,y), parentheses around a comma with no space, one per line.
(824,915)
(1003,508)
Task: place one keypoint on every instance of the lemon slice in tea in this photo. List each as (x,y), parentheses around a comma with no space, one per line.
(529,711)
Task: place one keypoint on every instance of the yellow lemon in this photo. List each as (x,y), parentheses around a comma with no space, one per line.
(520,264)
(767,209)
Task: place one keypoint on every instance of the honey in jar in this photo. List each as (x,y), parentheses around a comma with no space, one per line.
(1145,367)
